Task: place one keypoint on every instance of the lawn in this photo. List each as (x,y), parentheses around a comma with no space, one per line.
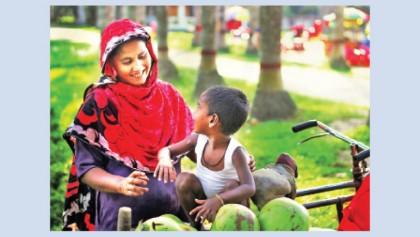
(320,161)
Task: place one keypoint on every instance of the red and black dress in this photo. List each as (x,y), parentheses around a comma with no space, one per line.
(120,128)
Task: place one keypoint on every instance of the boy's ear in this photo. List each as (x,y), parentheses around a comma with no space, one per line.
(214,120)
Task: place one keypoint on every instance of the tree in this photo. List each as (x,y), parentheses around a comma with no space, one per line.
(337,59)
(167,69)
(221,29)
(198,27)
(110,14)
(271,100)
(80,15)
(92,15)
(253,24)
(140,14)
(207,72)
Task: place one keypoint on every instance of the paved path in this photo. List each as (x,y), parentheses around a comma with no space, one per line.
(309,80)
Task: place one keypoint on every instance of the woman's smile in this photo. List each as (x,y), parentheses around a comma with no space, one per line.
(132,62)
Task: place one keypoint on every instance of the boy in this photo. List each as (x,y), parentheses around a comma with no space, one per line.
(223,175)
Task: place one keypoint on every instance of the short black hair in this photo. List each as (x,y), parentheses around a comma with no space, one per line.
(230,104)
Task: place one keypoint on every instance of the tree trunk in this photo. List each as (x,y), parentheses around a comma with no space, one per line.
(337,58)
(100,19)
(110,14)
(368,119)
(167,69)
(253,24)
(221,29)
(271,100)
(81,15)
(121,12)
(140,14)
(198,27)
(207,71)
(92,15)
(55,12)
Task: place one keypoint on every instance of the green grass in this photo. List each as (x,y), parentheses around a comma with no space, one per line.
(317,159)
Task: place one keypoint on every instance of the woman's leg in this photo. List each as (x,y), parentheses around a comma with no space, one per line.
(188,188)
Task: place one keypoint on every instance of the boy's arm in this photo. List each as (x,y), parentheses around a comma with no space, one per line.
(207,209)
(186,145)
(164,167)
(246,188)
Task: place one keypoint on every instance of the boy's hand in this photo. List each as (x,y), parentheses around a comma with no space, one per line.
(251,163)
(165,166)
(207,209)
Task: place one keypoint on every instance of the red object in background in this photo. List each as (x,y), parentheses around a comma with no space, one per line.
(356,216)
(318,25)
(298,44)
(356,54)
(315,30)
(298,30)
(233,24)
(198,28)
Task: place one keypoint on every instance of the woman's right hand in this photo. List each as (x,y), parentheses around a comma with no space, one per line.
(130,186)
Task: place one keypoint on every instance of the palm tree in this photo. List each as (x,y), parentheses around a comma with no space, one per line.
(167,69)
(253,24)
(207,72)
(80,15)
(337,59)
(198,27)
(271,100)
(110,14)
(221,29)
(92,15)
(140,14)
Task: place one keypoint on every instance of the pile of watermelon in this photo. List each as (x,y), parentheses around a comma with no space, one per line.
(280,214)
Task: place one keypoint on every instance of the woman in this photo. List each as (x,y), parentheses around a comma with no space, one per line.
(125,119)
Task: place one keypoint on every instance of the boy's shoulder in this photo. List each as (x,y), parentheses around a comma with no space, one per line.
(237,149)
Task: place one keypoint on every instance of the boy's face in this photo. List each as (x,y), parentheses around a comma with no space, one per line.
(200,115)
(132,62)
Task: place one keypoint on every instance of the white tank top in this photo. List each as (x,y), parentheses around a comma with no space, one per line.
(214,181)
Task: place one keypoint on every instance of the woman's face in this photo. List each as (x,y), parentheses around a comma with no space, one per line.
(132,62)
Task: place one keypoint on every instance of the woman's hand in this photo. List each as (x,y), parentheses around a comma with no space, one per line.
(130,186)
(207,209)
(165,166)
(251,163)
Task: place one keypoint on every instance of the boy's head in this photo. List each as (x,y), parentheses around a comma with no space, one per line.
(229,105)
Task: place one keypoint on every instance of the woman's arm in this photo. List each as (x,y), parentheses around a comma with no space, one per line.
(103,181)
(89,166)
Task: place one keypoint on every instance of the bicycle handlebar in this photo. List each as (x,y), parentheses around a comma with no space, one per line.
(363,155)
(313,123)
(304,125)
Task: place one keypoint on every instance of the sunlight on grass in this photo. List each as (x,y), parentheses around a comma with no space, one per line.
(180,40)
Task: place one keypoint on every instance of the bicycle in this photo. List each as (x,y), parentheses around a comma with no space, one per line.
(359,152)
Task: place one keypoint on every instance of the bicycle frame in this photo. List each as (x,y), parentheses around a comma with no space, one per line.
(359,153)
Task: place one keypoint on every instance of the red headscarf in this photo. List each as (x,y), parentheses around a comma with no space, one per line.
(131,123)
